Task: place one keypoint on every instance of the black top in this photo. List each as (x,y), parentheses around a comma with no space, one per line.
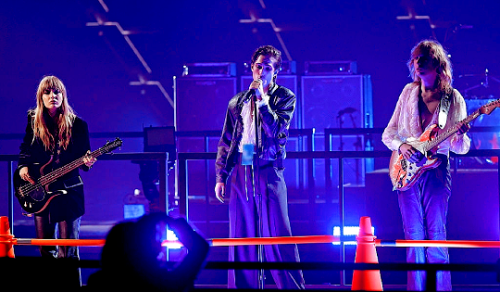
(71,205)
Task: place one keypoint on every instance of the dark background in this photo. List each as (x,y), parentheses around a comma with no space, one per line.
(97,65)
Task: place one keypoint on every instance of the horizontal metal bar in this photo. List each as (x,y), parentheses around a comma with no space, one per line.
(217,133)
(334,154)
(284,265)
(112,156)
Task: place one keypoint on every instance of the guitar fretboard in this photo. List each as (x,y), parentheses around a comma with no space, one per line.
(485,109)
(52,176)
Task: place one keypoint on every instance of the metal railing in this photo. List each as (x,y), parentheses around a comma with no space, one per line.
(431,269)
(161,157)
(183,157)
(183,190)
(182,179)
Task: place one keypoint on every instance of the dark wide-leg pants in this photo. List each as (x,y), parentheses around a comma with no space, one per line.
(424,208)
(244,217)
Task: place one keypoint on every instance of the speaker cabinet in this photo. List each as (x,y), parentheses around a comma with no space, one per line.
(340,101)
(337,101)
(288,81)
(201,103)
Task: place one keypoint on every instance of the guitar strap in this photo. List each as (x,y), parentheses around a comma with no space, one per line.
(444,108)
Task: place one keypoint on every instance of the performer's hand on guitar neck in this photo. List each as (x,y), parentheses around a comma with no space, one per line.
(89,160)
(24,174)
(409,153)
(464,129)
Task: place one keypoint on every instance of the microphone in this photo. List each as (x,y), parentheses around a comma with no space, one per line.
(249,95)
(251,91)
(347,110)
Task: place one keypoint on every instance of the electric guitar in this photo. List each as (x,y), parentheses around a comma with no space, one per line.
(34,198)
(404,174)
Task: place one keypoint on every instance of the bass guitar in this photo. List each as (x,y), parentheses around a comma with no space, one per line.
(34,198)
(404,174)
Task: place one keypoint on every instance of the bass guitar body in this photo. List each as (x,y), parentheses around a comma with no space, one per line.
(34,198)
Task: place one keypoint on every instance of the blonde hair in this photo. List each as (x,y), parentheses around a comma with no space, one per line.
(440,59)
(65,116)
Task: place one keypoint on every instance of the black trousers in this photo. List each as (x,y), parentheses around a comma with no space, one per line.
(244,209)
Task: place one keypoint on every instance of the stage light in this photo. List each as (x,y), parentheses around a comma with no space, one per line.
(172,237)
(349,231)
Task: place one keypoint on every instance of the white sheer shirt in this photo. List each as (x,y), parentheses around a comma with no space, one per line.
(405,122)
(248,136)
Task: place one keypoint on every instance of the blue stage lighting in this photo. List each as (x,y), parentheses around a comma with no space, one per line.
(171,236)
(351,231)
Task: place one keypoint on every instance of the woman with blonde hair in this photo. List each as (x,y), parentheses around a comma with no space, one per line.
(54,137)
(428,101)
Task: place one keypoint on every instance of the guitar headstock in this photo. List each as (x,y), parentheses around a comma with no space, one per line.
(489,107)
(112,145)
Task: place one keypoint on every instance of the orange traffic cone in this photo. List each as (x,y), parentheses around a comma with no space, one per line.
(366,253)
(6,249)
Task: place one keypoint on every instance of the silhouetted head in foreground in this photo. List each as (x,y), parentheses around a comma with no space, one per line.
(133,257)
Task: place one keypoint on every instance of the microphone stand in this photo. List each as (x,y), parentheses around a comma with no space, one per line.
(485,84)
(340,123)
(358,146)
(256,189)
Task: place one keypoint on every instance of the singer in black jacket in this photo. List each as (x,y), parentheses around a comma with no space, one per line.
(275,106)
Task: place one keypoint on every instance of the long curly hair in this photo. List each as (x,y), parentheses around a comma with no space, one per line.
(64,120)
(439,57)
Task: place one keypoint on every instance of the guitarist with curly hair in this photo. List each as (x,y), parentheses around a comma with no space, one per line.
(427,107)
